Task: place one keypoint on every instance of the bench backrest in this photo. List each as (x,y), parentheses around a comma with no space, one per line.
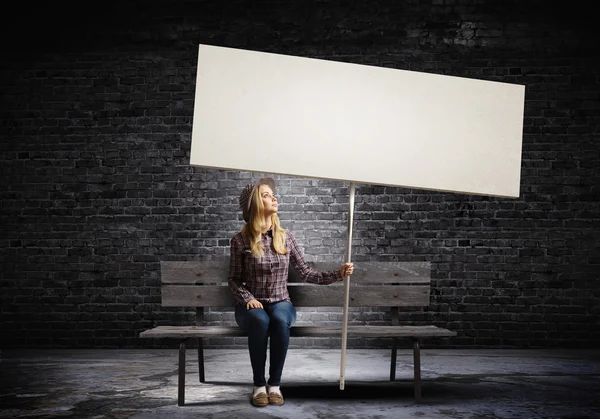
(373,284)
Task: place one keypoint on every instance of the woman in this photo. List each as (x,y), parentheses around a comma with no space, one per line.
(260,257)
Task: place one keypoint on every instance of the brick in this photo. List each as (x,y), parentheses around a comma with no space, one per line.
(96,186)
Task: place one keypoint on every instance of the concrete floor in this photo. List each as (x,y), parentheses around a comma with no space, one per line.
(460,384)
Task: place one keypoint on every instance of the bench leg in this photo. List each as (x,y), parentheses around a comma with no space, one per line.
(181,382)
(201,359)
(417,367)
(393,364)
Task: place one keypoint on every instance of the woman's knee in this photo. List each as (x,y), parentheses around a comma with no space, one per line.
(283,315)
(257,318)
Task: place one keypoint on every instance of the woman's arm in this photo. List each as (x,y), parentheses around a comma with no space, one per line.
(305,272)
(240,292)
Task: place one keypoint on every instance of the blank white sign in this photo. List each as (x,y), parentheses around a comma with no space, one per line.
(274,113)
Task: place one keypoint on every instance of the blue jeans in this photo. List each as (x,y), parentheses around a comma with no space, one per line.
(275,320)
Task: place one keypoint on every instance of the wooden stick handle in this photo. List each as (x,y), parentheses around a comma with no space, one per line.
(347,285)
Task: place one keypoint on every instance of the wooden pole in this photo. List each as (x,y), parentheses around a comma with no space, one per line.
(347,285)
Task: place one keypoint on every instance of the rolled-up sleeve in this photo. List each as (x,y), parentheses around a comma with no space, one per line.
(304,271)
(235,280)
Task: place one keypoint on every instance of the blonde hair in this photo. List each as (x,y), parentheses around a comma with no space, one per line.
(252,230)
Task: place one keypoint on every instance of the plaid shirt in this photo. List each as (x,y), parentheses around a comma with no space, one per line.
(265,278)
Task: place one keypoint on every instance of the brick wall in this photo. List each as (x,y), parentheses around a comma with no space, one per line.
(96,188)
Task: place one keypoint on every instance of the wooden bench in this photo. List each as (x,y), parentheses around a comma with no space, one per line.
(379,284)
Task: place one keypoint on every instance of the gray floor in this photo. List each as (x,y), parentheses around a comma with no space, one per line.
(457,384)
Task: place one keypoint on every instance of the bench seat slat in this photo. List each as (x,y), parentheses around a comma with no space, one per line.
(192,331)
(302,331)
(373,331)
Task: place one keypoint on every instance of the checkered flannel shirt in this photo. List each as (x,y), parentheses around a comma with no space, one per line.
(265,278)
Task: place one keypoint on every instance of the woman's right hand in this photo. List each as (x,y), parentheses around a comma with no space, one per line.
(347,269)
(253,304)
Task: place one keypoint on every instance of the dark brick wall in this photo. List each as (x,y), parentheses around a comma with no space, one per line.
(96,188)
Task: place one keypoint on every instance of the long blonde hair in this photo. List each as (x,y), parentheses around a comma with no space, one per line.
(252,230)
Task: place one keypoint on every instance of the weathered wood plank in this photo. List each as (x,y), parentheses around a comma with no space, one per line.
(372,331)
(366,331)
(217,271)
(187,272)
(192,331)
(304,295)
(197,296)
(360,295)
(381,272)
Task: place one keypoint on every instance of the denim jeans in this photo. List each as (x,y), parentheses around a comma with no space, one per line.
(275,320)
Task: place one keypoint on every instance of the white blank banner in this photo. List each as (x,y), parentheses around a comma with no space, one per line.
(274,113)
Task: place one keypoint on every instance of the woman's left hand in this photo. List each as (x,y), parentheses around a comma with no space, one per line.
(347,269)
